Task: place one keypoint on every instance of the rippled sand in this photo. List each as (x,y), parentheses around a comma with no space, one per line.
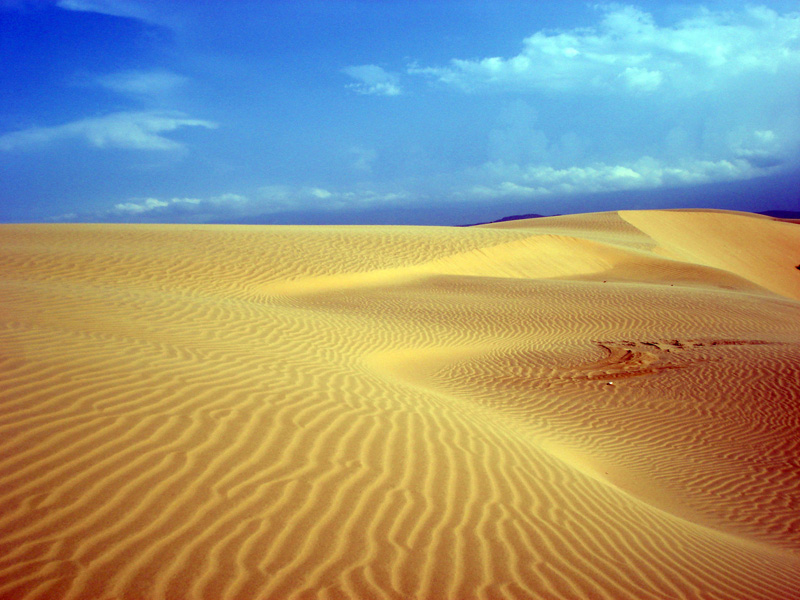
(590,406)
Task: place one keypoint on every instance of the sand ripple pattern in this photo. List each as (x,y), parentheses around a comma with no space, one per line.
(572,409)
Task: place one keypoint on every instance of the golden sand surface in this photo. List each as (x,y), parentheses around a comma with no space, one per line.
(590,406)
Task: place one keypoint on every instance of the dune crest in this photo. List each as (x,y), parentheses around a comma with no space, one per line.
(590,406)
(715,239)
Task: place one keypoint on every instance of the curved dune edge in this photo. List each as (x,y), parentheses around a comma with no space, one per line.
(769,258)
(592,406)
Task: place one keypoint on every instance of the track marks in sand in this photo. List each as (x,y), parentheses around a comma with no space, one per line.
(627,358)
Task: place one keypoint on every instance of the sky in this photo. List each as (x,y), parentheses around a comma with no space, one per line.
(397,112)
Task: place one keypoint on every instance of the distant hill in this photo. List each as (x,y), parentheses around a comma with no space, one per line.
(782,214)
(509,218)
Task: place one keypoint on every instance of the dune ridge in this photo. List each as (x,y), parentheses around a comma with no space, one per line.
(590,406)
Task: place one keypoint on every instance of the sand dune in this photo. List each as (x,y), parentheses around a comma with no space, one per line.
(591,406)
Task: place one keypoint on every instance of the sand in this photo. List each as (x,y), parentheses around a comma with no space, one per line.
(590,406)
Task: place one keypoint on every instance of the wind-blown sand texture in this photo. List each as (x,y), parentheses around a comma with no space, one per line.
(589,406)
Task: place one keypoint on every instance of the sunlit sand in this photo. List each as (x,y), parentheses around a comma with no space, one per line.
(589,406)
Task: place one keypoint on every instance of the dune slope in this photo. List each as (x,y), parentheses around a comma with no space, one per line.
(592,406)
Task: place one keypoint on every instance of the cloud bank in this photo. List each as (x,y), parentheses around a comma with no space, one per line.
(512,180)
(629,53)
(373,80)
(115,8)
(128,130)
(631,104)
(264,203)
(142,84)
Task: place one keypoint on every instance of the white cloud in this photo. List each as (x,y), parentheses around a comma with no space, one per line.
(115,8)
(320,193)
(146,206)
(129,130)
(760,148)
(499,179)
(269,200)
(629,52)
(643,80)
(373,80)
(142,83)
(279,198)
(177,205)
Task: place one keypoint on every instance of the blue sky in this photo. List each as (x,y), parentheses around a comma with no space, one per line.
(385,111)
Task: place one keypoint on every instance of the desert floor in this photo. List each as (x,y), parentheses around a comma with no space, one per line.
(590,406)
